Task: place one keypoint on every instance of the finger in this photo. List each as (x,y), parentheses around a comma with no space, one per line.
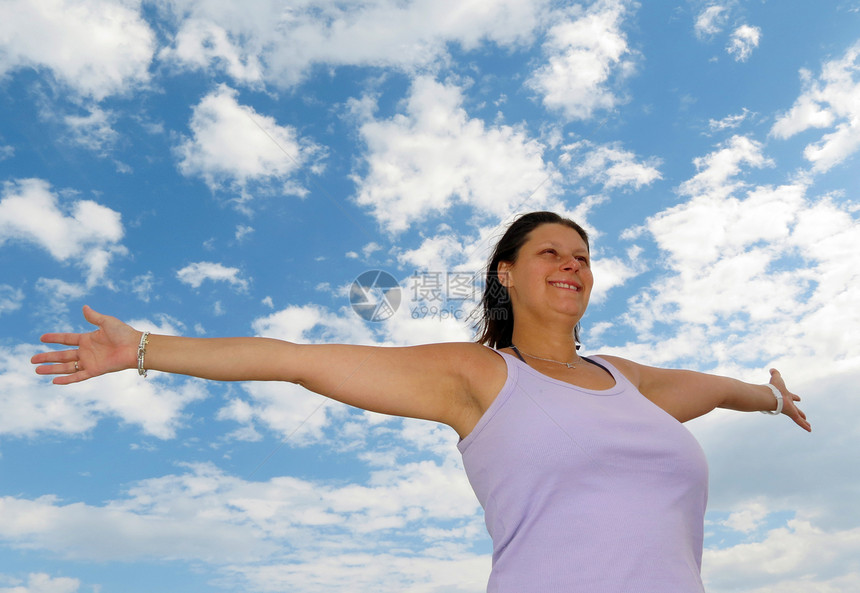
(69,379)
(801,421)
(59,368)
(776,378)
(93,317)
(54,356)
(66,339)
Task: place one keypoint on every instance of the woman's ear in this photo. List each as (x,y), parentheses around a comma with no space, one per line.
(503,274)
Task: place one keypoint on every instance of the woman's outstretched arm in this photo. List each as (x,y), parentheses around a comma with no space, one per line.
(432,382)
(690,394)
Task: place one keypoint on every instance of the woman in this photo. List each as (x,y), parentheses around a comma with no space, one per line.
(588,479)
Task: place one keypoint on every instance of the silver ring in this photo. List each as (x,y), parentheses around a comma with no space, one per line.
(76,366)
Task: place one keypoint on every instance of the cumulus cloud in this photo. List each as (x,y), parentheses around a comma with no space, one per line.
(743,41)
(34,406)
(437,253)
(313,324)
(831,101)
(312,535)
(711,20)
(232,147)
(96,47)
(760,261)
(717,172)
(586,51)
(729,122)
(195,274)
(39,582)
(80,231)
(94,130)
(286,408)
(796,558)
(280,44)
(610,165)
(611,272)
(10,298)
(433,157)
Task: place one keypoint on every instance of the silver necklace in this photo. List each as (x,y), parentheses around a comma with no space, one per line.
(570,365)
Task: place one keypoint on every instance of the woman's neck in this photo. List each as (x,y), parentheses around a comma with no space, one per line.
(546,343)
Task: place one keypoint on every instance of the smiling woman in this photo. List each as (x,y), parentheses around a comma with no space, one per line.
(587,477)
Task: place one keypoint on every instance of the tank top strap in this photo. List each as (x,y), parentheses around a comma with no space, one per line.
(517,352)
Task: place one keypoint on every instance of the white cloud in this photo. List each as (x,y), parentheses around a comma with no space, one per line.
(743,41)
(195,274)
(715,170)
(234,148)
(729,122)
(93,131)
(283,533)
(143,286)
(242,232)
(585,52)
(10,298)
(58,293)
(82,231)
(280,44)
(123,533)
(38,582)
(714,247)
(437,254)
(200,42)
(433,157)
(832,99)
(289,410)
(711,20)
(610,165)
(97,47)
(285,408)
(313,324)
(370,249)
(797,558)
(748,518)
(750,275)
(35,406)
(612,272)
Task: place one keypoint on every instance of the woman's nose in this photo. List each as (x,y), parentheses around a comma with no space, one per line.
(571,263)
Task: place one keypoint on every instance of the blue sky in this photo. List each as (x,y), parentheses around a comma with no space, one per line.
(213,168)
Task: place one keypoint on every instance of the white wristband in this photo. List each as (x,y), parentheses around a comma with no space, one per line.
(778,395)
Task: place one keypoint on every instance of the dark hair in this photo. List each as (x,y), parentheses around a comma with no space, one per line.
(495,324)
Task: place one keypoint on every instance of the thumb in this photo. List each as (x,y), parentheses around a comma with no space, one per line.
(93,317)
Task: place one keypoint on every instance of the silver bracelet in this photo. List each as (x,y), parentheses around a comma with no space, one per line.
(778,395)
(141,352)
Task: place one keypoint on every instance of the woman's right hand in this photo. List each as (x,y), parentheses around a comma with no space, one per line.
(112,347)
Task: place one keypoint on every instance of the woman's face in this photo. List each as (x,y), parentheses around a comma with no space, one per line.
(552,273)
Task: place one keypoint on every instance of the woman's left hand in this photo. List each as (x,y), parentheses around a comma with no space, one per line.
(789,406)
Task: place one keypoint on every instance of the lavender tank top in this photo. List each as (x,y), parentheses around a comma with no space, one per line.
(587,491)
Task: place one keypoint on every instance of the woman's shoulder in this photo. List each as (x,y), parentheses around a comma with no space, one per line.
(471,360)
